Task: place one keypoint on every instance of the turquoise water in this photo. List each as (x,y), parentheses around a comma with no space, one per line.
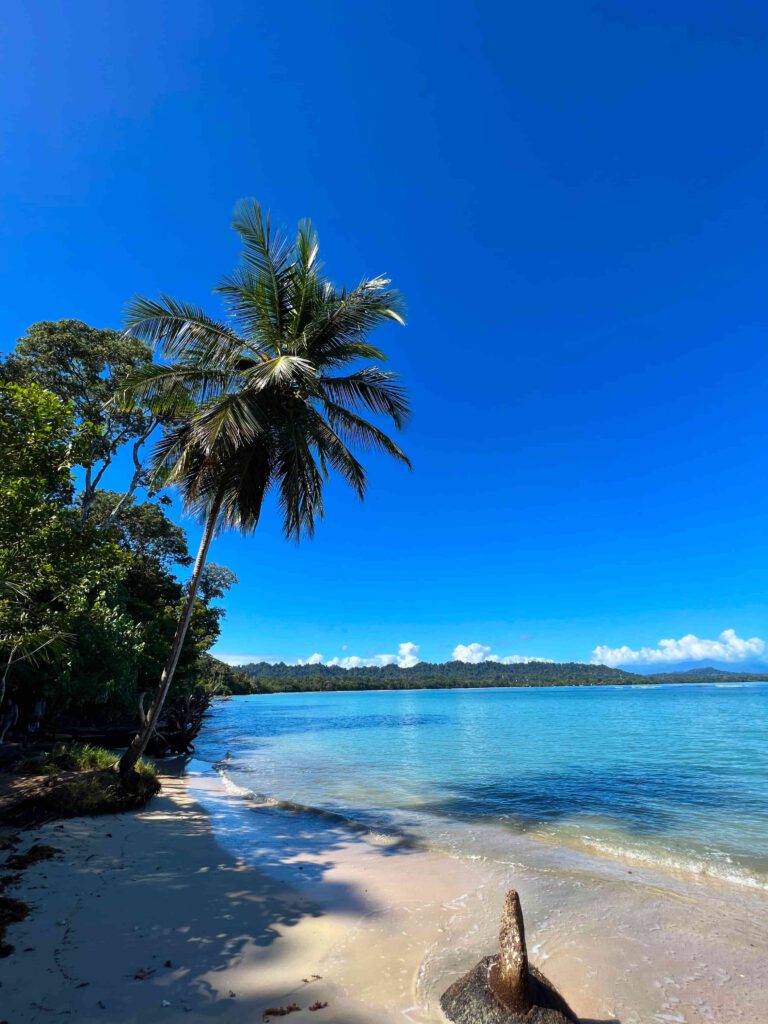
(673,776)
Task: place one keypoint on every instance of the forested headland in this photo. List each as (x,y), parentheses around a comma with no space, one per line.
(264,677)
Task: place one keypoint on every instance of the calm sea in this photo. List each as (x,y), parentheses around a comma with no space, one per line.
(672,776)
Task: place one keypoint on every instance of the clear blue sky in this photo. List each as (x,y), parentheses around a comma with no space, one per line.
(572,197)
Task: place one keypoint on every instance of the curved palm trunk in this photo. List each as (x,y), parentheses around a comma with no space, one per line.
(137,748)
(4,680)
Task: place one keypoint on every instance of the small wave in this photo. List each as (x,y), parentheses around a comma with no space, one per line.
(668,862)
(377,834)
(613,850)
(734,686)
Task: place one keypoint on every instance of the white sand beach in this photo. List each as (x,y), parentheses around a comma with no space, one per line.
(153,916)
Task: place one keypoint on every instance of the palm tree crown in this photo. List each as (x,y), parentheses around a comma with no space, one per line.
(267,398)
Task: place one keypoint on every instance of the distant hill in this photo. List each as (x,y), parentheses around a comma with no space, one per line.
(708,674)
(264,677)
(751,668)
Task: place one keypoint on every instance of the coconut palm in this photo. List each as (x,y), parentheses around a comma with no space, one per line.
(272,397)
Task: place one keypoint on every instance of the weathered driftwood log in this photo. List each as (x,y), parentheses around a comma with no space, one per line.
(505,988)
(179,724)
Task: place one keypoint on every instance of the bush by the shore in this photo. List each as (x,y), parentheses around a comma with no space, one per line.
(68,757)
(79,780)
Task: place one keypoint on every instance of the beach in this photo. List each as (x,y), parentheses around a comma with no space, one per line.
(207,905)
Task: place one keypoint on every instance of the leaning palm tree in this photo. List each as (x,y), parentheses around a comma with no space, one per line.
(269,398)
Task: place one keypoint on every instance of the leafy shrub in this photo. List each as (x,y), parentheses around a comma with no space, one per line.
(69,757)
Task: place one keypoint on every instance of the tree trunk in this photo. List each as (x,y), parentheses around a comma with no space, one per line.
(4,680)
(138,473)
(137,748)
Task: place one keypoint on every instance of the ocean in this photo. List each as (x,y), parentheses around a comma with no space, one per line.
(674,777)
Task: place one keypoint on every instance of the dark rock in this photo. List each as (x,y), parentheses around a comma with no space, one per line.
(505,988)
(508,976)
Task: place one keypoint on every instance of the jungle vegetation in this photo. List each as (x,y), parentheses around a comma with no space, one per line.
(90,588)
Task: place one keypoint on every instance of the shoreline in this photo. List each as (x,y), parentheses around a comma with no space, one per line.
(661,870)
(631,684)
(248,899)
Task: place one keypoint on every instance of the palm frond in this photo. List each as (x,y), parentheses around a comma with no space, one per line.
(173,391)
(284,370)
(234,421)
(344,317)
(245,295)
(334,453)
(304,274)
(299,480)
(182,330)
(370,388)
(37,646)
(268,255)
(355,430)
(245,480)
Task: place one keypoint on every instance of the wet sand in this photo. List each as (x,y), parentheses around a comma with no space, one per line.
(205,906)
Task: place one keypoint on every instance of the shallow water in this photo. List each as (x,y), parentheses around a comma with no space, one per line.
(673,776)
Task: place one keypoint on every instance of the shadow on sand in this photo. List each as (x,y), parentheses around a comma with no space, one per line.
(177,911)
(182,912)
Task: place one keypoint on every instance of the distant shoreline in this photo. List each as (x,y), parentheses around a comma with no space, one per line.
(266,677)
(513,686)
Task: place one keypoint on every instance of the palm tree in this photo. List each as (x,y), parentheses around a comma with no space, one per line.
(269,398)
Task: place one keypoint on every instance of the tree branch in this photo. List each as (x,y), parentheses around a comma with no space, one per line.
(138,472)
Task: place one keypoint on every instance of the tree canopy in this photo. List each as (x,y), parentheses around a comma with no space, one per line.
(87,604)
(82,366)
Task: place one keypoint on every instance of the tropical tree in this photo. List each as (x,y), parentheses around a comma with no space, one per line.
(54,569)
(82,366)
(272,397)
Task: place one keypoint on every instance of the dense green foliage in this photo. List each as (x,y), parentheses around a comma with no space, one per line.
(79,780)
(263,677)
(59,573)
(88,602)
(82,366)
(267,678)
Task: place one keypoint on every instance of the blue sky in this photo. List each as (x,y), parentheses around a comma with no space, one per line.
(571,195)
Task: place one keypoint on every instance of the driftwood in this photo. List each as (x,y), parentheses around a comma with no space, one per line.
(8,718)
(505,988)
(179,725)
(180,722)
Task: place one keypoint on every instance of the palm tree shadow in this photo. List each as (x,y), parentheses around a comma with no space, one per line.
(188,894)
(225,886)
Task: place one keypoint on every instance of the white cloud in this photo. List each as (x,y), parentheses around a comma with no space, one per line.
(474,654)
(727,647)
(407,656)
(313,659)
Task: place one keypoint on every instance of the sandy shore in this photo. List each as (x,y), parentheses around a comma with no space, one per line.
(202,907)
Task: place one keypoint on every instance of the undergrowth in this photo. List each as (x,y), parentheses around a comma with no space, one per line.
(68,757)
(80,780)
